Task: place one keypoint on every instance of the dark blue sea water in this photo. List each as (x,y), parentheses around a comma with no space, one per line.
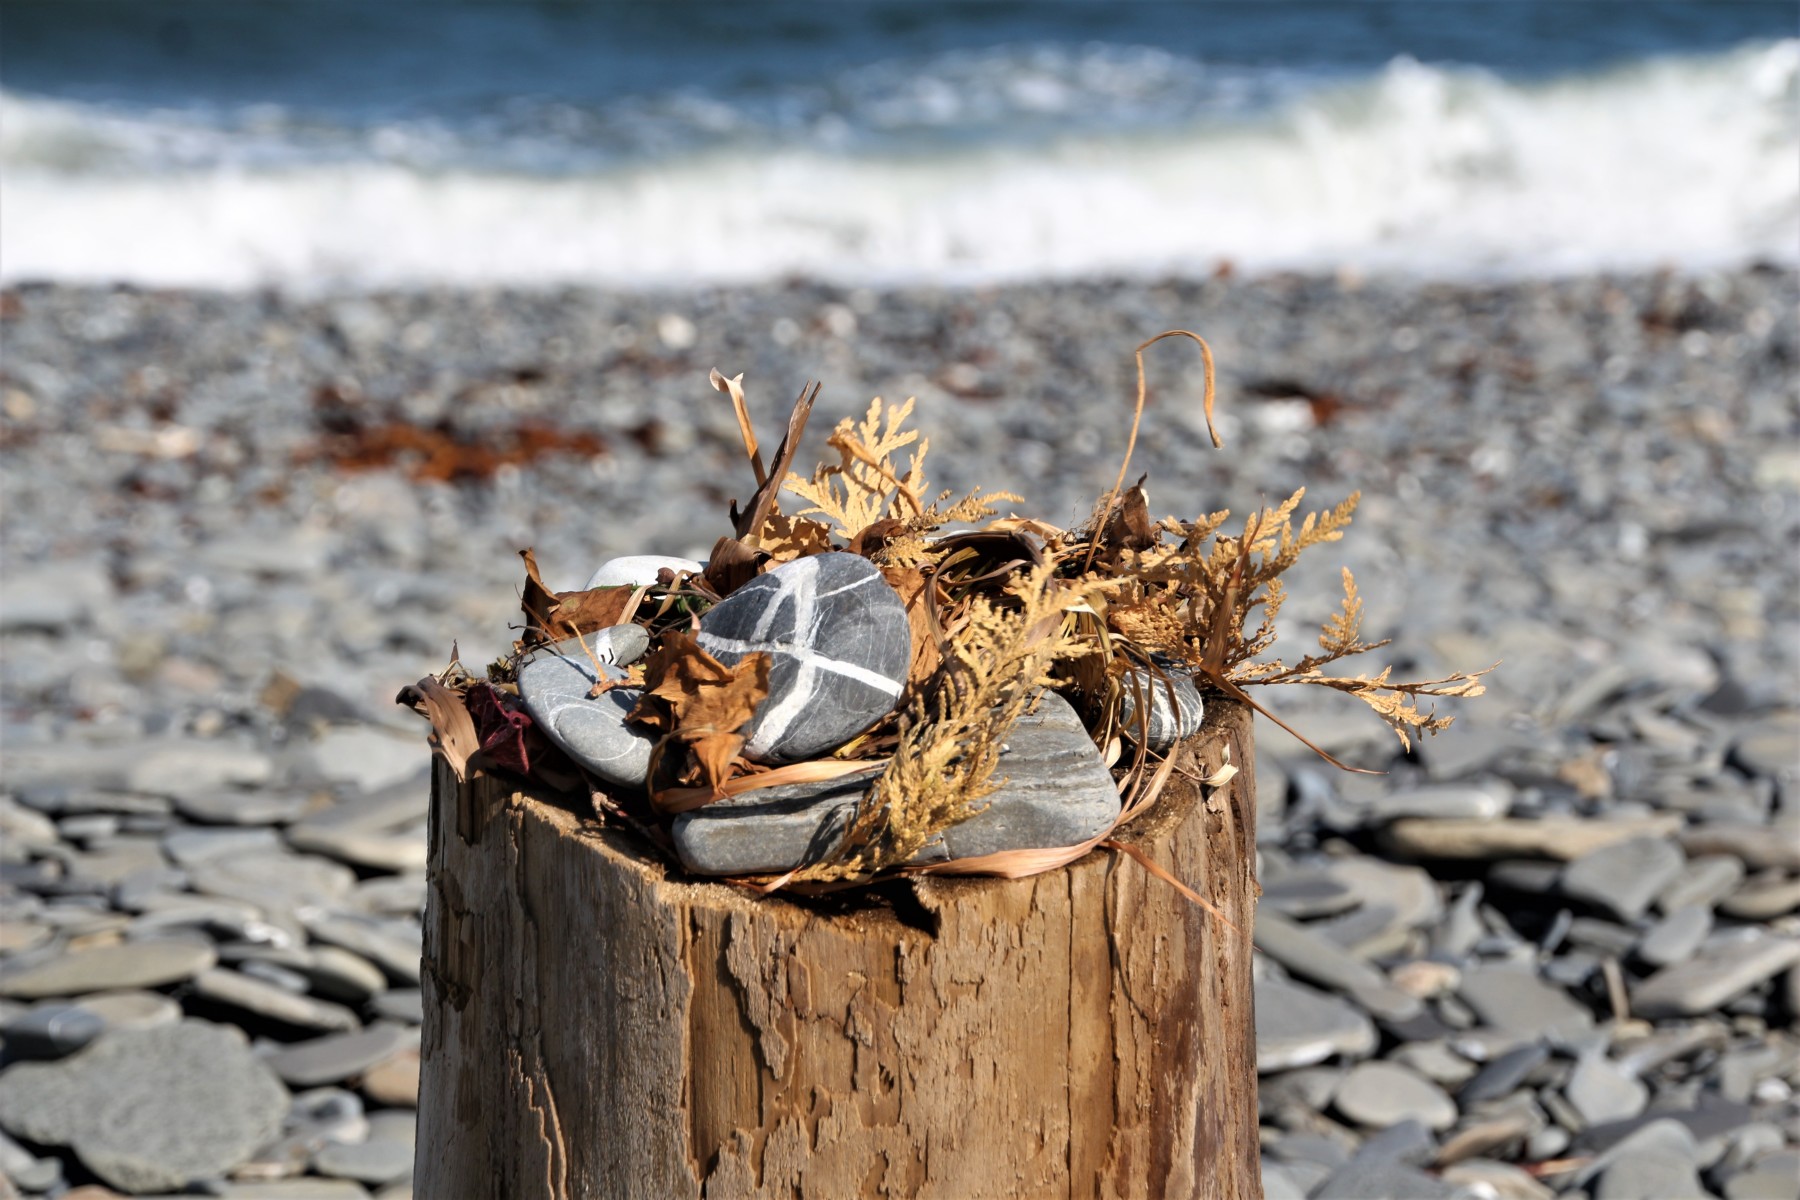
(327,141)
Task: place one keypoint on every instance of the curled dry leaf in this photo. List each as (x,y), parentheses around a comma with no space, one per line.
(700,703)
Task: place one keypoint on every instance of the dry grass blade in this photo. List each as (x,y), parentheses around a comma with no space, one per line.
(1137,418)
(1151,865)
(734,387)
(680,800)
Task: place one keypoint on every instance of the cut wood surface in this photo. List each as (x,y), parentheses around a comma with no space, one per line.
(598,1025)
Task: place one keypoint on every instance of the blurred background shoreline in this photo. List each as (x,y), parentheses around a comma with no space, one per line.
(328,146)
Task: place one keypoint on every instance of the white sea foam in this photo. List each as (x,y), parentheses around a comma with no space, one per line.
(1688,163)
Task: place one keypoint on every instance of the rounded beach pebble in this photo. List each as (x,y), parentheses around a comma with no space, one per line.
(839,646)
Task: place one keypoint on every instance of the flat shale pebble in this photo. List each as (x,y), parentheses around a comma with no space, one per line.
(1704,983)
(1380,1094)
(338,1057)
(111,1104)
(1297,1026)
(1625,877)
(127,965)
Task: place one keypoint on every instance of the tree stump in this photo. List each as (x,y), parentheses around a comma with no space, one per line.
(597,1025)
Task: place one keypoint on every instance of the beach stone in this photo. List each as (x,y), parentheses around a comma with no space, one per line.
(1176,710)
(150,1110)
(1380,1094)
(1719,974)
(406,1005)
(1660,1161)
(640,570)
(1495,1180)
(1703,881)
(1625,877)
(554,683)
(51,1031)
(1503,1073)
(1055,792)
(338,1057)
(1676,936)
(275,882)
(1514,999)
(1763,898)
(1562,838)
(232,807)
(131,1009)
(368,758)
(367,1162)
(1297,1026)
(1759,847)
(1482,801)
(1771,747)
(840,646)
(1308,956)
(1601,1090)
(1772,1177)
(149,963)
(191,847)
(1363,1179)
(393,946)
(394,1080)
(1309,893)
(234,989)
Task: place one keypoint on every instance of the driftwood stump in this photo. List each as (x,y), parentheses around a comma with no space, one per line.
(597,1025)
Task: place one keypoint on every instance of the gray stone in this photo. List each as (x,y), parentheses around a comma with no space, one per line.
(554,683)
(1306,894)
(131,1009)
(1625,877)
(150,1110)
(1176,710)
(393,946)
(53,596)
(1503,1073)
(232,807)
(1658,1162)
(1364,1179)
(1495,1180)
(1316,960)
(406,1005)
(191,847)
(1705,880)
(1601,1090)
(1512,998)
(308,1188)
(1773,1177)
(235,990)
(368,1162)
(1379,1094)
(51,1031)
(641,570)
(1759,847)
(338,1057)
(1297,1026)
(124,965)
(1483,801)
(1404,1141)
(275,882)
(1770,747)
(1055,792)
(840,646)
(1763,898)
(277,976)
(1676,936)
(1720,973)
(369,758)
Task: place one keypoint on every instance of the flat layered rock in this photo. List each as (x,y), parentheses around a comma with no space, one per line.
(1055,792)
(1702,984)
(1563,838)
(113,1105)
(1514,999)
(554,683)
(233,989)
(1297,1026)
(149,963)
(1380,1094)
(339,1057)
(1625,877)
(839,644)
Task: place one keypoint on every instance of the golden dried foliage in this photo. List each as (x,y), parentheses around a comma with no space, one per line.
(996,660)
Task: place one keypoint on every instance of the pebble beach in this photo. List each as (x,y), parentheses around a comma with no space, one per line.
(1553,951)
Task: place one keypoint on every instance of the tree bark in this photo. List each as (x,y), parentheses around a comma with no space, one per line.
(598,1025)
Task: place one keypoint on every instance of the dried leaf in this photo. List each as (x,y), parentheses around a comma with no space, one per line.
(701,702)
(452,729)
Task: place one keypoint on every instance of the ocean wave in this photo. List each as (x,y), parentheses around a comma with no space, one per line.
(1015,165)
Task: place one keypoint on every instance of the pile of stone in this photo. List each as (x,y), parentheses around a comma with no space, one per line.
(840,645)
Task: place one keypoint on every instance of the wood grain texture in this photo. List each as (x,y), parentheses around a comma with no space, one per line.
(596,1028)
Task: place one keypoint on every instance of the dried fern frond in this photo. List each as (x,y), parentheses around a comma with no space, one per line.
(950,738)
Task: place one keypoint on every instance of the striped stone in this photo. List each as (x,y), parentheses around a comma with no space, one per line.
(554,683)
(1175,707)
(839,646)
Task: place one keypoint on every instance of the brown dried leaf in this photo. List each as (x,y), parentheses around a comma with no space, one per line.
(786,538)
(707,702)
(452,728)
(536,600)
(913,587)
(576,613)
